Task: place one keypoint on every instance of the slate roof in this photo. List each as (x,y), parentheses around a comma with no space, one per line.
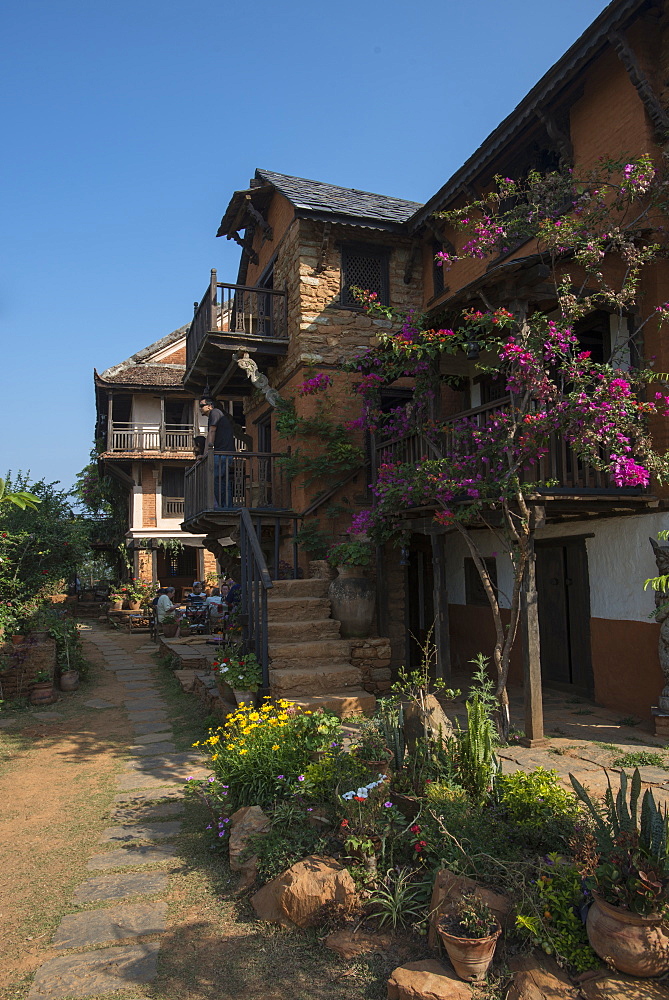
(329,199)
(145,375)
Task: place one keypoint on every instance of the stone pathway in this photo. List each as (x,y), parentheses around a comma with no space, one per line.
(111,940)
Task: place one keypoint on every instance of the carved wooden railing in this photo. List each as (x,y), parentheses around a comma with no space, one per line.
(229,481)
(561,464)
(239,310)
(173,507)
(134,436)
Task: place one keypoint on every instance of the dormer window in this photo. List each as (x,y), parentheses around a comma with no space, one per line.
(365,267)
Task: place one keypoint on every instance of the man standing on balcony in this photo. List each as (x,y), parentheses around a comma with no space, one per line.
(220,437)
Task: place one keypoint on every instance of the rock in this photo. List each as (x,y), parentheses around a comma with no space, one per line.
(539,977)
(437,720)
(426,980)
(298,895)
(350,944)
(245,823)
(449,887)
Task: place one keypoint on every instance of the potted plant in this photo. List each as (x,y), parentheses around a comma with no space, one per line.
(41,691)
(170,625)
(352,593)
(241,672)
(469,933)
(628,922)
(370,747)
(115,600)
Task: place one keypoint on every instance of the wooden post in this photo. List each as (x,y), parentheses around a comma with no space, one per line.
(442,639)
(110,420)
(161,433)
(529,616)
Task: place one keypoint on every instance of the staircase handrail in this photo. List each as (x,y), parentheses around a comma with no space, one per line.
(256,581)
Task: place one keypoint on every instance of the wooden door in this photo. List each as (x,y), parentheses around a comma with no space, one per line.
(564,614)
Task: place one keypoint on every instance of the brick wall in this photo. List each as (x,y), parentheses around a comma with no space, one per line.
(148,480)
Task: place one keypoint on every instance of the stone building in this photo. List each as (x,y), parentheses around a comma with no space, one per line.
(145,425)
(291,313)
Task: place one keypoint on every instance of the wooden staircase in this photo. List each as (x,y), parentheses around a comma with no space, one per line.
(309,663)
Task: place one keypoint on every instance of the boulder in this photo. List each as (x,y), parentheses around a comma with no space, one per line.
(436,718)
(538,977)
(426,980)
(447,890)
(298,895)
(245,823)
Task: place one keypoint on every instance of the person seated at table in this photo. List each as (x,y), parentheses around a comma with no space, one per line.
(165,605)
(197,594)
(235,592)
(215,597)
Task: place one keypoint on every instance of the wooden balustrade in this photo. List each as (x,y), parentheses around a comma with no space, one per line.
(133,436)
(238,310)
(229,481)
(173,507)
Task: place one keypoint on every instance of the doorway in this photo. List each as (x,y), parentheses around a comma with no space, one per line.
(419,598)
(563,590)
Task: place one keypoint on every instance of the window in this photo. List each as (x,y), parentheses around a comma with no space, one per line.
(474,590)
(173,481)
(365,267)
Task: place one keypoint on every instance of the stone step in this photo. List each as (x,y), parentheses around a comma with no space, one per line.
(288,609)
(350,701)
(313,680)
(303,631)
(339,649)
(299,588)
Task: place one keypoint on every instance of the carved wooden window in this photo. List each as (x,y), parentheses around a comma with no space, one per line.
(364,267)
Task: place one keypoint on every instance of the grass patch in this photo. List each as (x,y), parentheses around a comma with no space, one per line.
(628,720)
(641,758)
(187,715)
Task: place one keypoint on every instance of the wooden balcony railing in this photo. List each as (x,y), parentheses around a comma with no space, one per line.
(239,310)
(228,481)
(127,437)
(561,464)
(173,507)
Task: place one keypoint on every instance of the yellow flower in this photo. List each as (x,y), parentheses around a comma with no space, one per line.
(254,716)
(275,747)
(214,756)
(242,751)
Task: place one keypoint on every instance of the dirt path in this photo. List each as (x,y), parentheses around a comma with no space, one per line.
(107,886)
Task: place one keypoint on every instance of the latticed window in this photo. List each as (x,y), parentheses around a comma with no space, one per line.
(365,267)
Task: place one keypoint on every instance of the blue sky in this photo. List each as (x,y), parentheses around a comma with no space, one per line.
(127,127)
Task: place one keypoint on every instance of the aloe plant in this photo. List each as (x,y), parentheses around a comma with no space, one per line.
(621,815)
(391,722)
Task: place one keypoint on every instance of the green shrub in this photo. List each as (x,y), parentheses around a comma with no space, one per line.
(536,797)
(336,772)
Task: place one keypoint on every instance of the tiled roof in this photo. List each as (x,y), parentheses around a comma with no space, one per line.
(139,374)
(318,197)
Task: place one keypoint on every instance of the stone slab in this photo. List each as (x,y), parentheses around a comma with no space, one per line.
(616,986)
(131,857)
(146,812)
(98,972)
(146,728)
(99,703)
(134,675)
(119,886)
(147,715)
(168,761)
(426,980)
(47,716)
(84,930)
(147,795)
(149,738)
(151,703)
(144,831)
(126,782)
(152,748)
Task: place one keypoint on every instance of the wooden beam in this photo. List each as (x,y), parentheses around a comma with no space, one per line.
(649,98)
(258,218)
(411,262)
(325,248)
(529,617)
(442,639)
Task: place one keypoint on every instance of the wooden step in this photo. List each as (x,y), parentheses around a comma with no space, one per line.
(314,679)
(350,701)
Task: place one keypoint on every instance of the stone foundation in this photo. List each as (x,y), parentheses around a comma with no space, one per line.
(372,656)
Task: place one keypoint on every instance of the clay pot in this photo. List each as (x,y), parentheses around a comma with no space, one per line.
(169,631)
(636,945)
(134,605)
(353,596)
(247,697)
(42,693)
(470,957)
(69,680)
(116,605)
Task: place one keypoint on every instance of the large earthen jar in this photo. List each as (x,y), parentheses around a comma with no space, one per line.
(636,945)
(352,596)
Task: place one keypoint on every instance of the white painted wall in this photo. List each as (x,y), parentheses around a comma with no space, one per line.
(145,409)
(136,512)
(620,559)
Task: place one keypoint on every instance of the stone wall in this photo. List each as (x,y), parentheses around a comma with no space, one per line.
(373,656)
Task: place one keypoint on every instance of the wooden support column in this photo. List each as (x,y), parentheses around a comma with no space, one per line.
(381,592)
(110,420)
(442,639)
(529,618)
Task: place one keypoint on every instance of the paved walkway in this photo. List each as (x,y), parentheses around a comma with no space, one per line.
(116,944)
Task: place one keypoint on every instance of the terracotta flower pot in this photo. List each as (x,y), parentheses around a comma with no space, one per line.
(636,945)
(69,680)
(116,605)
(42,693)
(169,631)
(353,596)
(134,605)
(470,957)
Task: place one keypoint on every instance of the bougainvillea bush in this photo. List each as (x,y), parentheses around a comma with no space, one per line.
(593,238)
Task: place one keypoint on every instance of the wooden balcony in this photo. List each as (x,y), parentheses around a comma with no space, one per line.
(576,485)
(219,486)
(173,507)
(232,319)
(129,437)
